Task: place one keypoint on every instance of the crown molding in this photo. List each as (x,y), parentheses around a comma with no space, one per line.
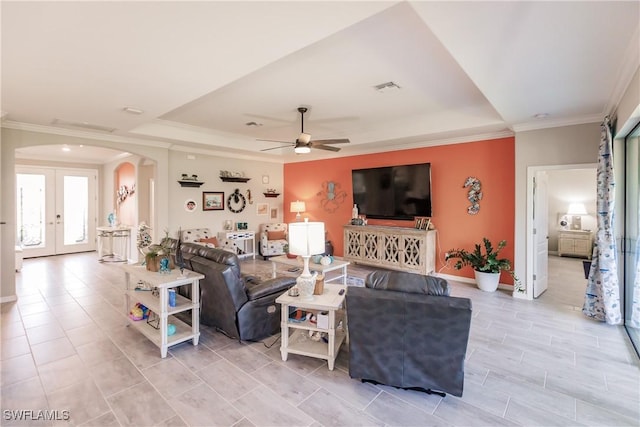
(9,124)
(554,123)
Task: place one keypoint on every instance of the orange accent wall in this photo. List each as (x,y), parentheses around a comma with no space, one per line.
(491,161)
(126,175)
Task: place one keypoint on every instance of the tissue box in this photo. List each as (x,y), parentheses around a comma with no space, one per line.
(323,320)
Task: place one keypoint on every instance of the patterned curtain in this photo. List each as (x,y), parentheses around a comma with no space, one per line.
(602,298)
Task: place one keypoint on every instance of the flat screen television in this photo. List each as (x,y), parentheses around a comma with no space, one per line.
(393,192)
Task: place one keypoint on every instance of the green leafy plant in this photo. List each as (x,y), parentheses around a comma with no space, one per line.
(483,258)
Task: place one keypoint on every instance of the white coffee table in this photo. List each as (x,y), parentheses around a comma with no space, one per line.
(337,264)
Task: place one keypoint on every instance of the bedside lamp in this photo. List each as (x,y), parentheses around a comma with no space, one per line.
(297,207)
(576,210)
(306,239)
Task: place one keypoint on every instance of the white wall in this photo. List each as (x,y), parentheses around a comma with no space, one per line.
(208,168)
(569,145)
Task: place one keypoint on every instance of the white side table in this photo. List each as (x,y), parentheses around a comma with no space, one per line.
(160,304)
(299,341)
(113,243)
(246,241)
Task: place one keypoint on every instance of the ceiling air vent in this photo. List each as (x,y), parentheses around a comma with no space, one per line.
(82,125)
(385,87)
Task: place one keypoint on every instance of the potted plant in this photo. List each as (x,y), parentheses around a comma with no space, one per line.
(158,251)
(486,264)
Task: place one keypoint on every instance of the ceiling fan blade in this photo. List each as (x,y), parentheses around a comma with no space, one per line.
(324,147)
(275,148)
(330,141)
(275,140)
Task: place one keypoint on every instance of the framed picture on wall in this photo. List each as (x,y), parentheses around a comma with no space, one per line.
(274,213)
(262,208)
(212,201)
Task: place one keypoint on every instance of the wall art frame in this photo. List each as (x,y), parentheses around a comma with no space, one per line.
(212,200)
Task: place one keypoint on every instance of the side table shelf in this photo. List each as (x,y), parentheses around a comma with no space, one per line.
(135,273)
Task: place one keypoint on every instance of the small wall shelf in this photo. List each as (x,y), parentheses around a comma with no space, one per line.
(190,183)
(233,179)
(271,194)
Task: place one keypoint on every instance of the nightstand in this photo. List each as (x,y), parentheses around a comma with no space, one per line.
(575,243)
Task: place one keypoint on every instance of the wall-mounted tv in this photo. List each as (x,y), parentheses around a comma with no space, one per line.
(393,192)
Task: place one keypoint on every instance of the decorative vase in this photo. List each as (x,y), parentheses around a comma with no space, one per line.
(487,282)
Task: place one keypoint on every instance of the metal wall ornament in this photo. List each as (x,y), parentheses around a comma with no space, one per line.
(332,196)
(474,195)
(236,201)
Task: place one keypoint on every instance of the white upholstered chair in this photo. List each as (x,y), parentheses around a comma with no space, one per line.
(205,237)
(273,238)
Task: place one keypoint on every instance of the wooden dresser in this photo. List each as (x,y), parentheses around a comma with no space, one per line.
(575,243)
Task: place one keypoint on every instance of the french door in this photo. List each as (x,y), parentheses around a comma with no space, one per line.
(56,210)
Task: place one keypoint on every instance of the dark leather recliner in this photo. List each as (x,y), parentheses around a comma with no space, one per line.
(406,331)
(241,307)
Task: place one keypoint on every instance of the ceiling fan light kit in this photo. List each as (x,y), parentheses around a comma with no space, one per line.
(304,144)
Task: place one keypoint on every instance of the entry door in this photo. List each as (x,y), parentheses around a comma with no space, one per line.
(56,210)
(541,234)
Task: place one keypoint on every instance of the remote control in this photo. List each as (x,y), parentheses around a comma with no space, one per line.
(341,292)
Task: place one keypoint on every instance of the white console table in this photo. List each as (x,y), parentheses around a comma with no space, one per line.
(108,239)
(395,248)
(246,241)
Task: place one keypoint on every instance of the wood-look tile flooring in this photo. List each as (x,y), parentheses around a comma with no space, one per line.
(531,363)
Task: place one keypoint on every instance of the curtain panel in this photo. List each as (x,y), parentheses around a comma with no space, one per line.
(602,297)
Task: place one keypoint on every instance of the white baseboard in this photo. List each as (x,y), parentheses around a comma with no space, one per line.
(472,281)
(10,298)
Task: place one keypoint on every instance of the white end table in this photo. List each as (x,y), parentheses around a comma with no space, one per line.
(295,335)
(160,304)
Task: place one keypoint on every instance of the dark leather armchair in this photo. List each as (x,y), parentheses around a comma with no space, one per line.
(240,306)
(406,331)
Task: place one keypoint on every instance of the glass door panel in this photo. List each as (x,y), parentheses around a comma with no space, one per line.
(34,212)
(632,240)
(56,210)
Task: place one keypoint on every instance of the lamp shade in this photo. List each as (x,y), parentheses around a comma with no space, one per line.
(297,206)
(577,209)
(306,238)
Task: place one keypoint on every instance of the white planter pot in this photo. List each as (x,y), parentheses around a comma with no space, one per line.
(487,282)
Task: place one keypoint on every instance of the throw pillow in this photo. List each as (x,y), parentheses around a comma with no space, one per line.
(276,235)
(212,240)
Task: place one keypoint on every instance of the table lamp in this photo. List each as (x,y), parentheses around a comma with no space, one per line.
(297,207)
(306,239)
(576,210)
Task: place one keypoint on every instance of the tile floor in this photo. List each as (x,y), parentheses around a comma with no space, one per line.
(531,363)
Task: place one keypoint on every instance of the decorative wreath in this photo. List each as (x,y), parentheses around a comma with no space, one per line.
(236,198)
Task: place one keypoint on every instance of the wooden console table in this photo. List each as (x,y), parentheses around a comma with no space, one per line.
(395,248)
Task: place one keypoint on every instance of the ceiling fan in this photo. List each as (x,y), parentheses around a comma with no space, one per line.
(304,144)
